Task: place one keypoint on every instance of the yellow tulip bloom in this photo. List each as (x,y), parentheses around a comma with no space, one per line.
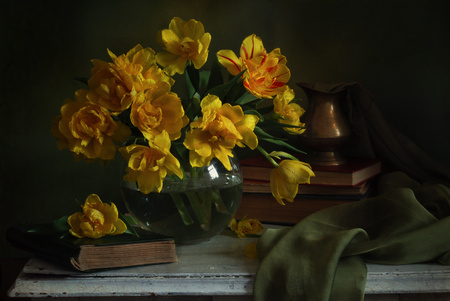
(266,73)
(113,85)
(149,165)
(218,131)
(291,112)
(285,178)
(184,42)
(88,129)
(97,219)
(246,128)
(153,113)
(246,226)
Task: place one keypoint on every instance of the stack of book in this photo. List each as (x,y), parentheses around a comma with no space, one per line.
(332,185)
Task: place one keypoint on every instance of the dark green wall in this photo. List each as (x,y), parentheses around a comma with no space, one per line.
(399,50)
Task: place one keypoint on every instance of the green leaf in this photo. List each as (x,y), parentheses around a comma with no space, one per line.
(277,125)
(236,92)
(278,154)
(254,112)
(193,76)
(180,149)
(57,226)
(246,98)
(130,222)
(283,144)
(215,76)
(193,108)
(191,89)
(203,81)
(266,110)
(261,133)
(222,90)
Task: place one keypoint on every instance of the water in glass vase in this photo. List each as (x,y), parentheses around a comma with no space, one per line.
(190,210)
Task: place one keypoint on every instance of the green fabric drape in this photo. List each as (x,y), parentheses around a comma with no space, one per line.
(323,256)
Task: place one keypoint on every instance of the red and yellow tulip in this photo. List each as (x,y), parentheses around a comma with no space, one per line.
(266,74)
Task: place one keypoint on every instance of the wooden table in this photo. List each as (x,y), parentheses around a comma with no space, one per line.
(214,270)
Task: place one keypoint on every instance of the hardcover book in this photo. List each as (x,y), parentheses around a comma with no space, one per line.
(304,190)
(352,173)
(265,208)
(87,254)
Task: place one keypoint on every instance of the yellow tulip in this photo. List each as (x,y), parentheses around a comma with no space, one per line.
(218,131)
(97,219)
(285,178)
(246,128)
(246,226)
(149,165)
(289,111)
(114,85)
(88,129)
(183,42)
(266,73)
(154,113)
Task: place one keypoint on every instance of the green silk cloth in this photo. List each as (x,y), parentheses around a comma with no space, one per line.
(324,256)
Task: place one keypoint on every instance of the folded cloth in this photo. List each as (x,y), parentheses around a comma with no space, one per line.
(323,256)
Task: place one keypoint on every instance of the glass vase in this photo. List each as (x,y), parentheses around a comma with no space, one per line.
(192,209)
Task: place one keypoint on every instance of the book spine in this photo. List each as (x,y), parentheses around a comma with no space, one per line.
(40,245)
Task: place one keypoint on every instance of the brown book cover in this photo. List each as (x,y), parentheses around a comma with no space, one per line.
(85,254)
(265,208)
(255,186)
(352,173)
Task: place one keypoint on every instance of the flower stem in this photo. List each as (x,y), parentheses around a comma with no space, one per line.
(198,209)
(267,156)
(184,213)
(218,202)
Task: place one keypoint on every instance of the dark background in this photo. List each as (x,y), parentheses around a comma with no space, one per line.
(399,50)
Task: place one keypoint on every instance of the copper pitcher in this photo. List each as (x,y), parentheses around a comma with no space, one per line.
(327,127)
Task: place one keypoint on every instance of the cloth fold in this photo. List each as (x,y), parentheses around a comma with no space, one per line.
(323,256)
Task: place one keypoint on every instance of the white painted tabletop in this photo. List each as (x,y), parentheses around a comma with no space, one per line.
(217,267)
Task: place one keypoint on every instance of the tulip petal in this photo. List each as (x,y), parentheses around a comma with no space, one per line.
(229,60)
(251,47)
(120,227)
(223,155)
(194,29)
(171,62)
(266,73)
(186,41)
(284,179)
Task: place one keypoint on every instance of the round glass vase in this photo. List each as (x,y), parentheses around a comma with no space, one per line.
(192,209)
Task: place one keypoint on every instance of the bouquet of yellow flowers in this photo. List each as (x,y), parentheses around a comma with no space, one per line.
(129,106)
